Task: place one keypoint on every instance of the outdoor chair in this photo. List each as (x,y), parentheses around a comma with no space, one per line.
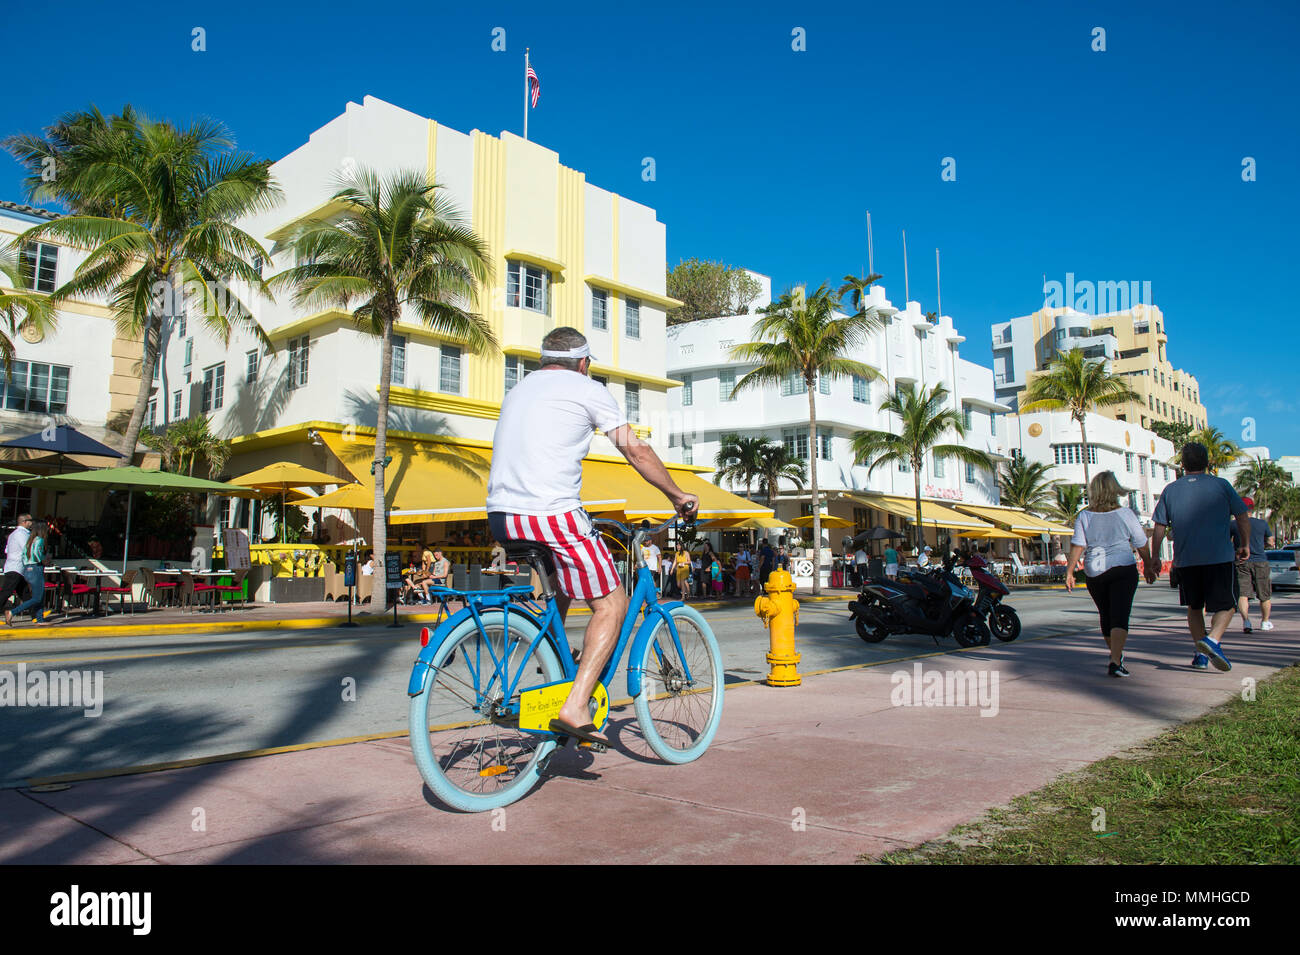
(333,581)
(235,587)
(155,590)
(126,588)
(366,587)
(192,592)
(73,592)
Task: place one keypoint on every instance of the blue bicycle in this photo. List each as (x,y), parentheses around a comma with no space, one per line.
(488,680)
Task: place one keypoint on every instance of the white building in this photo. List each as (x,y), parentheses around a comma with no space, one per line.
(1141,459)
(910,350)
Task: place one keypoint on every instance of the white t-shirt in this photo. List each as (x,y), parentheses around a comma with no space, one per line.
(1108,539)
(547,422)
(14,548)
(860,557)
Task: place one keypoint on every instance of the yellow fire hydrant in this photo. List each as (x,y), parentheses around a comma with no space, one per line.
(779,612)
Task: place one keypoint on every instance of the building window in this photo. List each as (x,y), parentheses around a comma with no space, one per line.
(189,360)
(795,441)
(632,401)
(970,474)
(726,383)
(38,265)
(861,518)
(632,309)
(861,389)
(527,286)
(824,443)
(299,352)
(15,499)
(449,370)
(1128,461)
(180,326)
(1073,454)
(176,406)
(938,466)
(688,454)
(517,368)
(600,380)
(1153,467)
(905,466)
(214,387)
(824,384)
(599,308)
(36,386)
(253,367)
(688,396)
(152,416)
(792,384)
(397,371)
(966,417)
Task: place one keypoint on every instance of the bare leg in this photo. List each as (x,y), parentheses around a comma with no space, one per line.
(1243,607)
(1266,608)
(1219,623)
(1116,640)
(598,643)
(1196,624)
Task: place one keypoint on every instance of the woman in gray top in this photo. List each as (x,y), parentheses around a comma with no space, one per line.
(1105,537)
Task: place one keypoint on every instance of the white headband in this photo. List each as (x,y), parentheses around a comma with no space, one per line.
(582,351)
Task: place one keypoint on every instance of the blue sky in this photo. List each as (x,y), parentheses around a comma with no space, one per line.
(1116,165)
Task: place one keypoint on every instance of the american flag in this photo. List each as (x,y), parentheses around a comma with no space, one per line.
(535,85)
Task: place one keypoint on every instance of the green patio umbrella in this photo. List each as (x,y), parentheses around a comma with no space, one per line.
(132,479)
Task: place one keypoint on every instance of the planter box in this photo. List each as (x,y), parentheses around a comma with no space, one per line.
(296,590)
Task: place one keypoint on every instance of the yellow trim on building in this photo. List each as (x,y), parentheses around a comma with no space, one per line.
(570,241)
(614,334)
(445,403)
(631,291)
(486,382)
(535,258)
(431,167)
(328,208)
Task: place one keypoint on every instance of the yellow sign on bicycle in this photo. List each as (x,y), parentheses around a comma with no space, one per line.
(540,705)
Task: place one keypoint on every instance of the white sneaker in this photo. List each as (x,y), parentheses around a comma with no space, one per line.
(1266,625)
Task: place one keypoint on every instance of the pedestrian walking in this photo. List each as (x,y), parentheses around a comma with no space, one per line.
(1198,506)
(766,561)
(861,559)
(682,570)
(1253,573)
(1105,536)
(14,581)
(891,562)
(34,572)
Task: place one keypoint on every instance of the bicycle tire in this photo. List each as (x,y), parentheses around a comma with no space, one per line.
(679,722)
(469,762)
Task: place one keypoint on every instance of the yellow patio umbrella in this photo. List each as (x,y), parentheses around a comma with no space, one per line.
(757,524)
(353,496)
(828,520)
(281,478)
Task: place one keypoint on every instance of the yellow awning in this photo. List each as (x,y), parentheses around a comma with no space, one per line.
(1016,519)
(431,481)
(933,514)
(1001,534)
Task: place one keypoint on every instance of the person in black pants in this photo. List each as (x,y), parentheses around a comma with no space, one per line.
(1109,534)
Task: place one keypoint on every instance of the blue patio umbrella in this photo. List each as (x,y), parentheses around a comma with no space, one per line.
(62,440)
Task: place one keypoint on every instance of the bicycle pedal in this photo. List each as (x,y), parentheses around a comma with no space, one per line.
(594,747)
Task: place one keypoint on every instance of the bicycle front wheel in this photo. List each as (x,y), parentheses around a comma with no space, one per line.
(468,747)
(679,701)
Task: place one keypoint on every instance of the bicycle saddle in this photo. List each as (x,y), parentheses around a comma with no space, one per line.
(530,552)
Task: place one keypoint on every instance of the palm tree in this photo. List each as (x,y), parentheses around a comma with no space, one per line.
(1221,450)
(185,442)
(802,338)
(1077,384)
(397,246)
(1286,512)
(739,460)
(19,308)
(777,463)
(1263,480)
(925,420)
(156,205)
(1024,484)
(1068,503)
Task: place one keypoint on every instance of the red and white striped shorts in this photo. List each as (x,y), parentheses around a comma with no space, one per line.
(583,564)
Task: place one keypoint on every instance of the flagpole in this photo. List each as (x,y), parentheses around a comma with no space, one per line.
(938,289)
(525,93)
(871,264)
(906,293)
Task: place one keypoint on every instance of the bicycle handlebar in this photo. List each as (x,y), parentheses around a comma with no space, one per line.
(639,533)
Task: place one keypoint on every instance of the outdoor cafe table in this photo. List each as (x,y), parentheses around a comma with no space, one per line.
(97,576)
(177,572)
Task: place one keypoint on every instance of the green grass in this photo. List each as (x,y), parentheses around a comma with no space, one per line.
(1222,789)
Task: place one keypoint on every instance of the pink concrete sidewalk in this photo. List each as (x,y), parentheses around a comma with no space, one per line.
(825,772)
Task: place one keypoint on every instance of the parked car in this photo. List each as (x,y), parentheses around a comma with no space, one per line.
(1284,569)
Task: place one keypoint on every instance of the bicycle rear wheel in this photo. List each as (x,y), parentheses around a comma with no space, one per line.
(471,754)
(679,701)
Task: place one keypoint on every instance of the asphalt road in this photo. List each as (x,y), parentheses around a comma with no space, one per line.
(179,697)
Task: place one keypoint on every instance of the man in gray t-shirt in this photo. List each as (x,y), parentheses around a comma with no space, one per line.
(1253,574)
(1198,506)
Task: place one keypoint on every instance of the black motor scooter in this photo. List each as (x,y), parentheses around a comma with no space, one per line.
(933,602)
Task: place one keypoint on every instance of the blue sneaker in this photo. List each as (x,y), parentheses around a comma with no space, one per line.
(1200,662)
(1215,652)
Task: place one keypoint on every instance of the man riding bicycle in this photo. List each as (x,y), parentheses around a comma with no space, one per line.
(545,430)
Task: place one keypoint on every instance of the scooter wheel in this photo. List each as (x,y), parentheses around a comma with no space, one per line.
(973,633)
(869,633)
(1005,624)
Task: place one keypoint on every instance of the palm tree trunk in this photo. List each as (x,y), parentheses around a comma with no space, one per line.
(149,358)
(1087,478)
(916,484)
(379,536)
(816,504)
